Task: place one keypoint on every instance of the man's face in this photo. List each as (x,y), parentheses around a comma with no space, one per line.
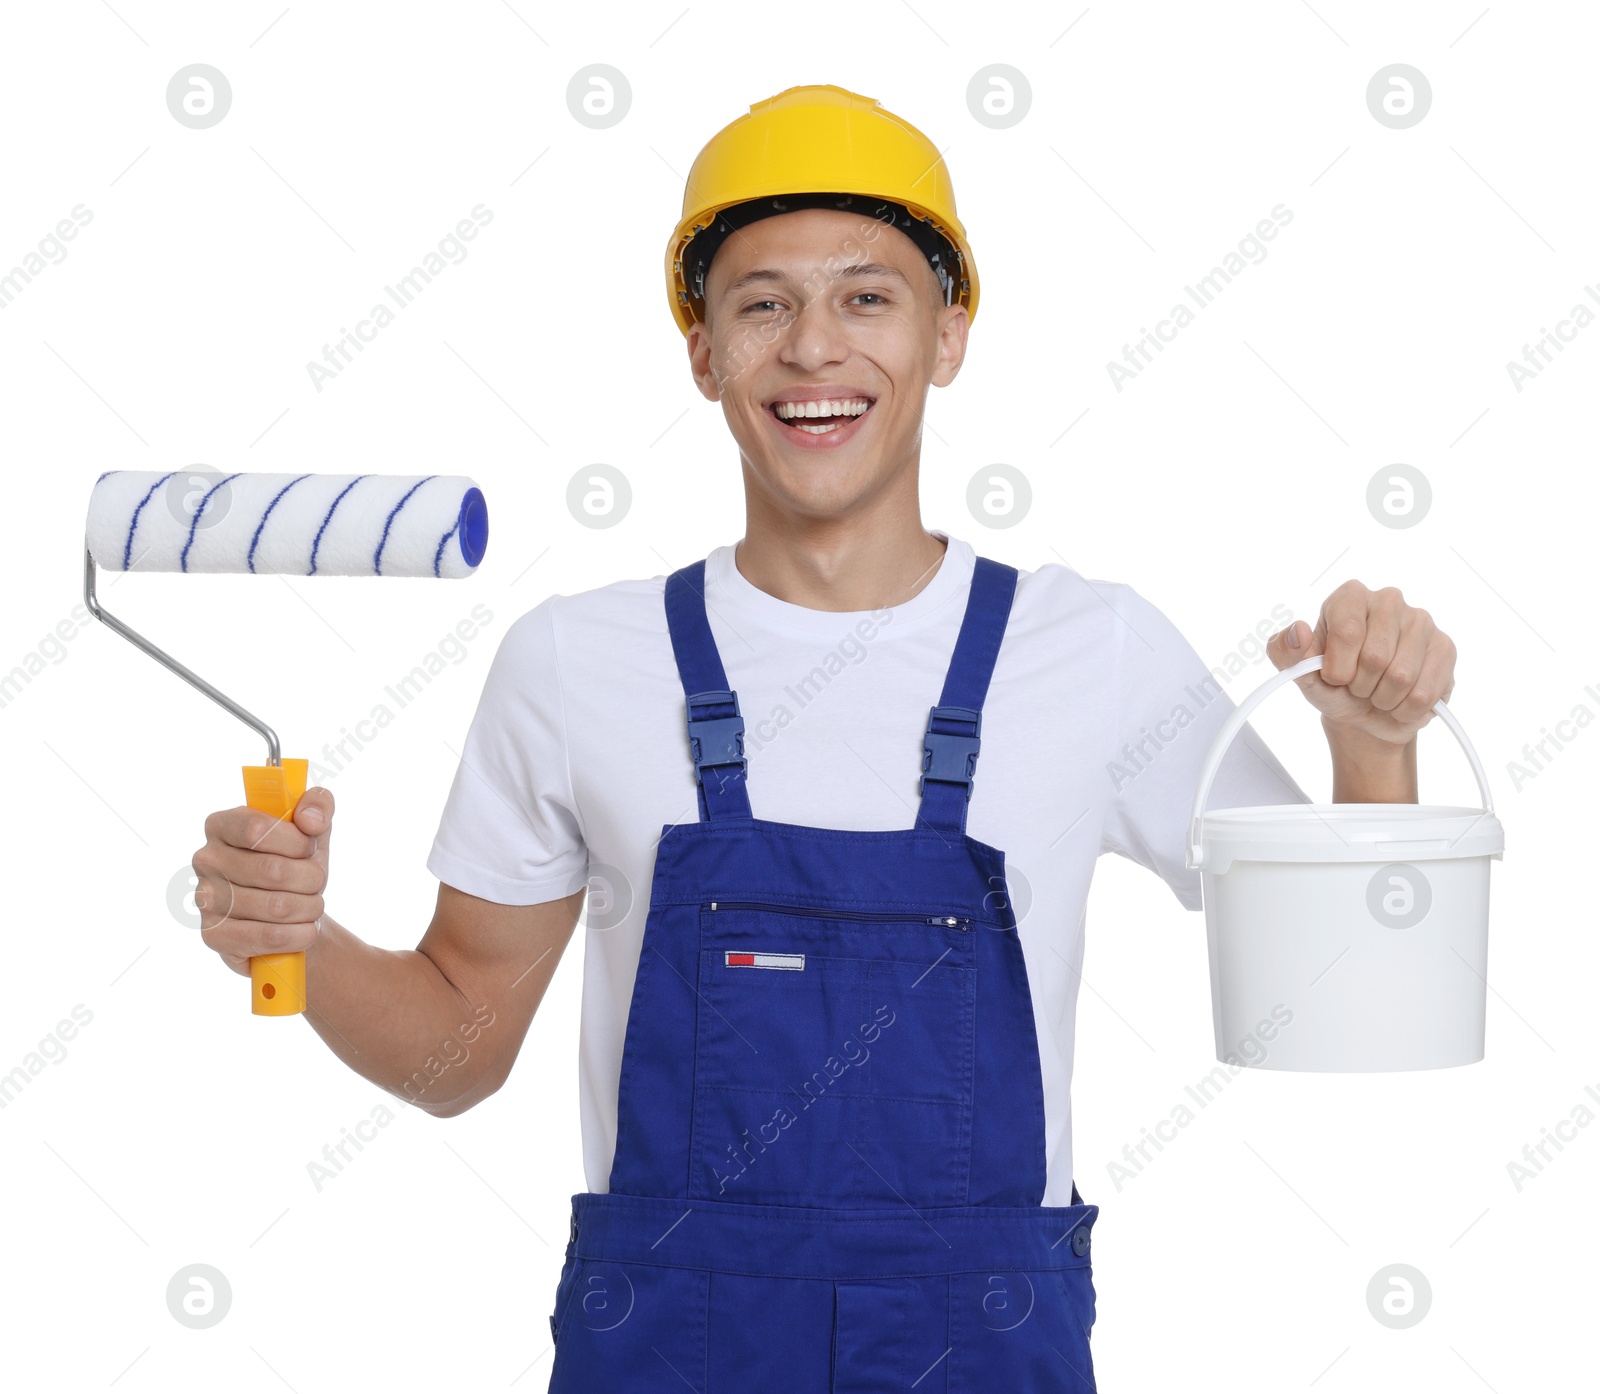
(826,304)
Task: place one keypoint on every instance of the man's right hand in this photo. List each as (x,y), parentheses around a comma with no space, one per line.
(260,880)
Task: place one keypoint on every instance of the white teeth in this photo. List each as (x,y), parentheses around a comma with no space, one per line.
(850,406)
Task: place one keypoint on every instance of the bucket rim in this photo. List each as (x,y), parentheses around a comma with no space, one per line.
(1320,834)
(1346,812)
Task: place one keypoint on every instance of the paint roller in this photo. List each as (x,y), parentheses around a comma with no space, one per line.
(286,525)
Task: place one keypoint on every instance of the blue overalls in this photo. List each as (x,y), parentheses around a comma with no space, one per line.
(830,1119)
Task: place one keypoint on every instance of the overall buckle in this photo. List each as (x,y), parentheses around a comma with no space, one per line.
(950,756)
(715,740)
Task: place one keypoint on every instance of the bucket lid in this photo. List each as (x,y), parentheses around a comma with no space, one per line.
(1348,832)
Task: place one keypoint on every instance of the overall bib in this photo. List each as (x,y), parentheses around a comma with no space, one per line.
(830,1119)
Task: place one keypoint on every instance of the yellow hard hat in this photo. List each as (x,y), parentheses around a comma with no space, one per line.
(818,147)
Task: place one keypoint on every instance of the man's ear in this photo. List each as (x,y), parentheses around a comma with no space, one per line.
(699,349)
(951,324)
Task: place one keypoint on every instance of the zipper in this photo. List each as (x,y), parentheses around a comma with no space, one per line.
(947,921)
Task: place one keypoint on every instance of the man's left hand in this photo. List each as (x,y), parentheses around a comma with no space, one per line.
(1385,664)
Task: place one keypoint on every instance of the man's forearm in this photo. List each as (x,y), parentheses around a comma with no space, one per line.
(1369,770)
(395,1019)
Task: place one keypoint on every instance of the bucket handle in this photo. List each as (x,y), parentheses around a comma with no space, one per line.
(1241,714)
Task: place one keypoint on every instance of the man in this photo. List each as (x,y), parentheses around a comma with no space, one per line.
(827,1019)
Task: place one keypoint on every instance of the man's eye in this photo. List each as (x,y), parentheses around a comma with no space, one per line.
(758,305)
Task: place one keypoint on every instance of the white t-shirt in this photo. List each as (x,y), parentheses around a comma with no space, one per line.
(578,755)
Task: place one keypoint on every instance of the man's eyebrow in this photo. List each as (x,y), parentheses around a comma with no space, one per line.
(855,270)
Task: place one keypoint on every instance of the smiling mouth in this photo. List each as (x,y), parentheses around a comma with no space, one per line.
(829,417)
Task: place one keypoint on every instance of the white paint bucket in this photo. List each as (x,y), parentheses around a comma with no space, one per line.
(1348,936)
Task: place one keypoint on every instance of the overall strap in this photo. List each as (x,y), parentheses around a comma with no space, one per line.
(950,744)
(716,730)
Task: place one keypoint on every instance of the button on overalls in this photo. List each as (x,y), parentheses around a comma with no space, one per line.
(830,1120)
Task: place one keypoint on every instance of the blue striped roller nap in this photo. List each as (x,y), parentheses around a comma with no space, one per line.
(288,524)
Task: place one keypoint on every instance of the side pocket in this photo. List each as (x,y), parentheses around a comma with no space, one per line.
(1019,1330)
(622,1320)
(565,1287)
(1078,1285)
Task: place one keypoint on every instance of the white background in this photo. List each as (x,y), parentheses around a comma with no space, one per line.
(1229,477)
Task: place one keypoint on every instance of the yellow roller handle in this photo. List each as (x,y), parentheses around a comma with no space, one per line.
(277,981)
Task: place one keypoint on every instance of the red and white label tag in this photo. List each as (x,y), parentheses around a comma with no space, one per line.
(742,960)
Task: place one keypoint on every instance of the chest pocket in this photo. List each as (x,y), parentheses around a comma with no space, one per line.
(833,1056)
